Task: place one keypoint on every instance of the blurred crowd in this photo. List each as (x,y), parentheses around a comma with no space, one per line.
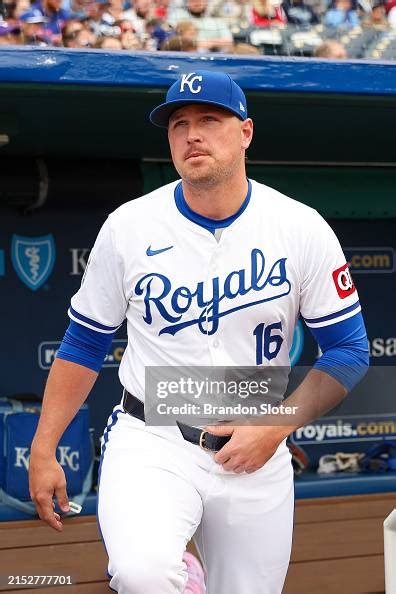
(190,25)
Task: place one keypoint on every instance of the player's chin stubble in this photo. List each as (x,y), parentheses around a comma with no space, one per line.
(207,177)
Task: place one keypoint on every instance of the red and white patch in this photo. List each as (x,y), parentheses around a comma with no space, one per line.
(343,281)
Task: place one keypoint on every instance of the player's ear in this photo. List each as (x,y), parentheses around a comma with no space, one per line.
(246,132)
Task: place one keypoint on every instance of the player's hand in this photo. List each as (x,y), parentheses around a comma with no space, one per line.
(46,479)
(249,448)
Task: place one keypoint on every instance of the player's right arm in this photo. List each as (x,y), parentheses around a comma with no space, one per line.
(96,311)
(67,388)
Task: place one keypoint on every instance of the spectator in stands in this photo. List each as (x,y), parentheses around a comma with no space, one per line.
(114,11)
(183,39)
(54,15)
(157,32)
(15,9)
(78,8)
(376,19)
(109,43)
(179,44)
(96,20)
(187,31)
(10,34)
(129,40)
(266,13)
(33,25)
(85,39)
(139,15)
(70,31)
(161,9)
(331,49)
(213,32)
(299,13)
(236,13)
(341,15)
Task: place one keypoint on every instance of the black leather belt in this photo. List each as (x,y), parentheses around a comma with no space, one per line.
(133,406)
(205,440)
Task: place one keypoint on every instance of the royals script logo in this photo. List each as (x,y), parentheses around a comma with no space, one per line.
(259,282)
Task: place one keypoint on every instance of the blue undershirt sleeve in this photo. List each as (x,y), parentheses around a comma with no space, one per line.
(85,346)
(345,350)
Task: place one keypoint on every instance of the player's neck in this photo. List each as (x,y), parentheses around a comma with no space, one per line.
(219,201)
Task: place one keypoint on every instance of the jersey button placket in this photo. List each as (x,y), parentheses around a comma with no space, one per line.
(214,266)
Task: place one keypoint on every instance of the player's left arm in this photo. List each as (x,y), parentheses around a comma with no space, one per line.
(331,309)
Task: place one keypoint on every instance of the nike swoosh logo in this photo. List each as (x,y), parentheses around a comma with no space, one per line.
(150,252)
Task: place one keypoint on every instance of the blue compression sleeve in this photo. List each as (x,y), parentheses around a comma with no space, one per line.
(85,346)
(345,350)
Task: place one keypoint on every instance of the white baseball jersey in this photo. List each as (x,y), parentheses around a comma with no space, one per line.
(192,300)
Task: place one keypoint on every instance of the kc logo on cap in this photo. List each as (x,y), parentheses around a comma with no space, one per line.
(189,80)
(209,87)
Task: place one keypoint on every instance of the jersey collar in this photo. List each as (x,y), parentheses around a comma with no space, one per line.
(205,222)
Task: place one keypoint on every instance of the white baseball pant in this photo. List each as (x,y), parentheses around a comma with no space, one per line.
(157,491)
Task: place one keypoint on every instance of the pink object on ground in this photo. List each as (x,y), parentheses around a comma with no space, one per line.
(195,583)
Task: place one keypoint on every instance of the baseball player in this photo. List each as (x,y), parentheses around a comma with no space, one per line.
(211,270)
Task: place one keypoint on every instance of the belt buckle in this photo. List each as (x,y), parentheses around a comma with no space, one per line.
(202,440)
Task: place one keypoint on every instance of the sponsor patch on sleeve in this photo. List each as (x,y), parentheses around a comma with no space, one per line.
(343,282)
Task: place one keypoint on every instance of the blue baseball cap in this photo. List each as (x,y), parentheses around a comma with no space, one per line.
(33,16)
(202,86)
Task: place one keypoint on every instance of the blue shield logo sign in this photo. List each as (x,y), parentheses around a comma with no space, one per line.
(33,259)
